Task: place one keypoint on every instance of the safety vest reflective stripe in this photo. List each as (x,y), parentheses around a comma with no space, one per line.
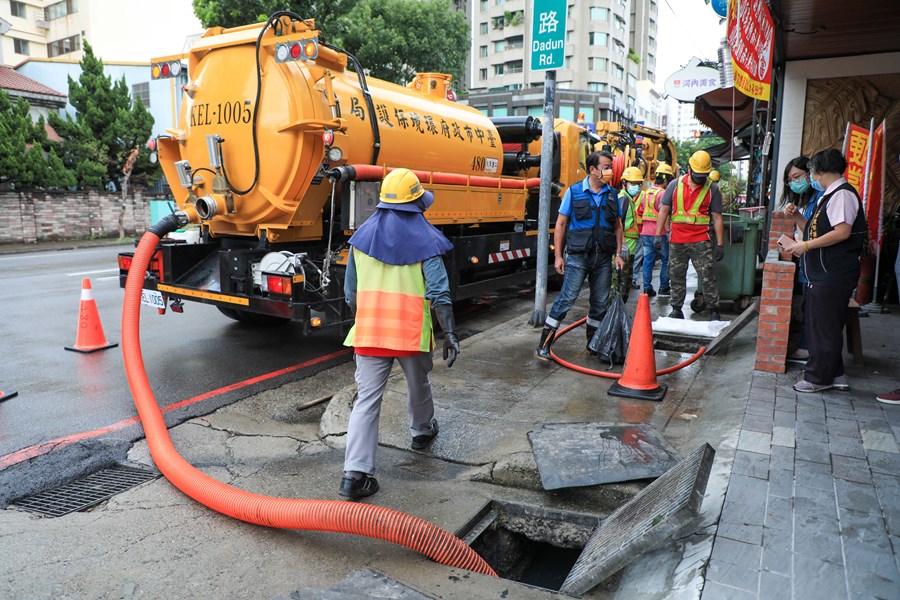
(632,223)
(391,309)
(692,216)
(648,198)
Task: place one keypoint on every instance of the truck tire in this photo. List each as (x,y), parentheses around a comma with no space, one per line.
(251,318)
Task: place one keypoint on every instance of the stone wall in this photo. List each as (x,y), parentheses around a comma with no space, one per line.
(36,216)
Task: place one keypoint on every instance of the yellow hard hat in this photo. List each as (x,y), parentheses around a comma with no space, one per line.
(714,175)
(632,174)
(400,189)
(664,169)
(700,162)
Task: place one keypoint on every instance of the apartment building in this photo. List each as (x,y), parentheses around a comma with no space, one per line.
(611,45)
(118,30)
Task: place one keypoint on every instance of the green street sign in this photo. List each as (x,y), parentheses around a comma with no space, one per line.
(548,35)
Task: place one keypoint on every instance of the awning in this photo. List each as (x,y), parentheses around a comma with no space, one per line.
(725,111)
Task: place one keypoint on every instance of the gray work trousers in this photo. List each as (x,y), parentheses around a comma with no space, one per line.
(371,378)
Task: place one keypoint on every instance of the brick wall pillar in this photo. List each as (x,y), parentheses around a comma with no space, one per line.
(774,313)
(781,225)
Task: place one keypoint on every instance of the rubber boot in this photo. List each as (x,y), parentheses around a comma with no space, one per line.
(543,349)
(589,334)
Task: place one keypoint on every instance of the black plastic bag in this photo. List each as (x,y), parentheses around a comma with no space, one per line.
(610,342)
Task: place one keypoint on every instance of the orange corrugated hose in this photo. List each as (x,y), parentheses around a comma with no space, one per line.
(610,374)
(287,513)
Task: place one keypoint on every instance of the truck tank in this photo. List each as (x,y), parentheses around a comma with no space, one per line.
(270,108)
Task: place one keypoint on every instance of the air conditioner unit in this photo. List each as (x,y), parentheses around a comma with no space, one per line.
(42,23)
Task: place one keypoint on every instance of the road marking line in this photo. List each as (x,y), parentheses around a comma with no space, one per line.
(44,447)
(92,272)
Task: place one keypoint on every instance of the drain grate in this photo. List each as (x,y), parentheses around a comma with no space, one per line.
(85,492)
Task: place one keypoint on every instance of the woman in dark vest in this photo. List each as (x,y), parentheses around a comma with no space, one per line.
(833,239)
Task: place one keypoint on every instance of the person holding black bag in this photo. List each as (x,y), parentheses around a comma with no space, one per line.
(589,228)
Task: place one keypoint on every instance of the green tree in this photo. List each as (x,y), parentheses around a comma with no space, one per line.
(22,142)
(233,13)
(374,32)
(106,113)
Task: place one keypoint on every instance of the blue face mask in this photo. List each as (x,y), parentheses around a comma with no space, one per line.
(633,190)
(799,186)
(816,185)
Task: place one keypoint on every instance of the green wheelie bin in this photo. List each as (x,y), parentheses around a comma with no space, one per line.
(736,273)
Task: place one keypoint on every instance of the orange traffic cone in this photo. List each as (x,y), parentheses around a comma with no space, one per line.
(639,377)
(90,337)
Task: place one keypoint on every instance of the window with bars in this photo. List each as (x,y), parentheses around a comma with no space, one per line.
(61,9)
(64,46)
(20,46)
(17,9)
(141,91)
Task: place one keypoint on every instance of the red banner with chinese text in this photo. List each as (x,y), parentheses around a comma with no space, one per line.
(875,189)
(751,36)
(857,144)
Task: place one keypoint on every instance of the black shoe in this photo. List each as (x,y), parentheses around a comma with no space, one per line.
(589,334)
(354,489)
(421,441)
(676,314)
(543,349)
(635,286)
(714,315)
(650,291)
(665,291)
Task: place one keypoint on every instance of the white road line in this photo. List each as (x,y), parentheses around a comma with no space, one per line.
(107,278)
(92,272)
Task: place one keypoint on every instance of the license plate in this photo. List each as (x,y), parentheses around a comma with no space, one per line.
(152,298)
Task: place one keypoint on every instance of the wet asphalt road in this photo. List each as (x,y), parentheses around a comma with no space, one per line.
(199,360)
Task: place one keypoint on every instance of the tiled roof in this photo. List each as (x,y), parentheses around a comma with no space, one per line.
(10,79)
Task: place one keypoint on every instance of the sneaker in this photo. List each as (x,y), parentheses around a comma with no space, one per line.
(650,291)
(714,315)
(676,314)
(841,383)
(665,291)
(354,489)
(635,286)
(806,387)
(421,441)
(889,397)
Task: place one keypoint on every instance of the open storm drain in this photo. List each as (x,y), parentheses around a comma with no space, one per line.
(85,492)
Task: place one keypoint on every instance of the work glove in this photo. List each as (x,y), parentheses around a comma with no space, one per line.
(657,243)
(444,313)
(720,252)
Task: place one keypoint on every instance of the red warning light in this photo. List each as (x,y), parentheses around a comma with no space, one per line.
(165,70)
(295,51)
(328,137)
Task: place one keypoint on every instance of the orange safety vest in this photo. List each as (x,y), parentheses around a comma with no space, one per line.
(648,197)
(391,309)
(691,216)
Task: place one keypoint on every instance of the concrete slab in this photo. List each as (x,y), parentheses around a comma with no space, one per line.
(582,454)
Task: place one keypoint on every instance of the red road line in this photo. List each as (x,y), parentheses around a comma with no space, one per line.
(38,449)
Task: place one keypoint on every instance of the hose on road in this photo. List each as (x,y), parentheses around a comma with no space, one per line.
(287,513)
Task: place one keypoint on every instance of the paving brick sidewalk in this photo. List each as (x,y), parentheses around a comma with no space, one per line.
(813,504)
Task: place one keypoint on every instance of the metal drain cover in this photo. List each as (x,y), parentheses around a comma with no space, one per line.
(579,454)
(655,515)
(85,492)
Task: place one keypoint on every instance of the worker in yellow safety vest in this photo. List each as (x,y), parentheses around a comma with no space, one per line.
(648,212)
(693,201)
(395,276)
(632,185)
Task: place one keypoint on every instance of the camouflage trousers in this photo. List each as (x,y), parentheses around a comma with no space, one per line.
(626,278)
(701,255)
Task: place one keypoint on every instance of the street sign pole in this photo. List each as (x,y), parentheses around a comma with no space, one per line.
(548,38)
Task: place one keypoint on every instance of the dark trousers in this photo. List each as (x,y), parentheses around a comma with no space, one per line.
(823,322)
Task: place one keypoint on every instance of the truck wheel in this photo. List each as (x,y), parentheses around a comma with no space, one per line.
(251,318)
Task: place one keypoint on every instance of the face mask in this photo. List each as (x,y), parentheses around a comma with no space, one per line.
(799,186)
(817,186)
(606,175)
(633,190)
(699,178)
